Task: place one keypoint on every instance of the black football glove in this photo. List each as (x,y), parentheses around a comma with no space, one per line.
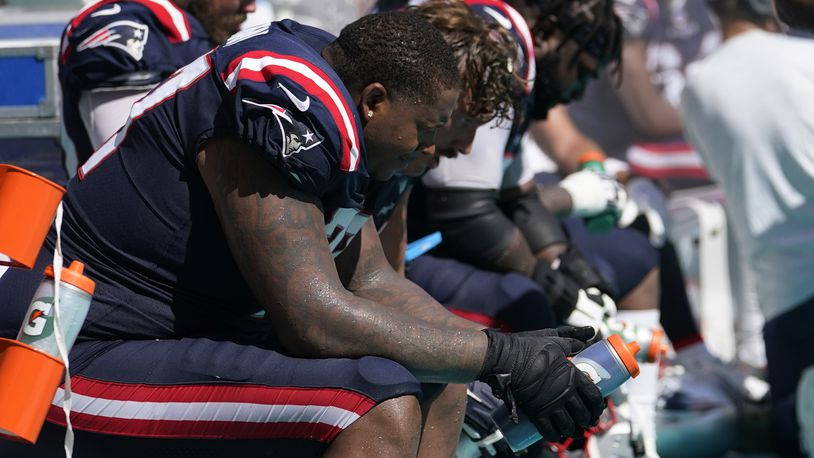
(530,370)
(572,283)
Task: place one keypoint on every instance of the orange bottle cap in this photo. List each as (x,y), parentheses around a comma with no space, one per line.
(590,156)
(626,352)
(657,348)
(28,380)
(73,275)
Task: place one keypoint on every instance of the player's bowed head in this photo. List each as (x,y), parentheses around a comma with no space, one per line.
(487,60)
(404,79)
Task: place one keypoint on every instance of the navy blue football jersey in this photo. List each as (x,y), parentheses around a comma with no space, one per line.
(140,216)
(123,43)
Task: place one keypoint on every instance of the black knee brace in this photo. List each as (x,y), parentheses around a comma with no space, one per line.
(539,226)
(474,228)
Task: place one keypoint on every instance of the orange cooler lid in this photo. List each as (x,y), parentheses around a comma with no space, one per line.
(73,275)
(626,352)
(28,203)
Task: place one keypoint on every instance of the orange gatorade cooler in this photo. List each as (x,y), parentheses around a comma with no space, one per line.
(28,380)
(28,203)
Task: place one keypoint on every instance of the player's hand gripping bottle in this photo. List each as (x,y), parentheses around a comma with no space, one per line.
(608,363)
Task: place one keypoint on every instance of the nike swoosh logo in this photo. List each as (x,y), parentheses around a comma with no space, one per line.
(116,9)
(301,105)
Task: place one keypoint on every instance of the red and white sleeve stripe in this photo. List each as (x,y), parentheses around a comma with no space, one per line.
(265,65)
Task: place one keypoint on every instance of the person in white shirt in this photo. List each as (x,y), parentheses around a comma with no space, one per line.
(747,109)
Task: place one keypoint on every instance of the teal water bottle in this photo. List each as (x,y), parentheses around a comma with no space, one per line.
(608,363)
(605,221)
(652,341)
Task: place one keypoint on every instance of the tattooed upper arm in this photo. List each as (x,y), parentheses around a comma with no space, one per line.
(276,235)
(275,232)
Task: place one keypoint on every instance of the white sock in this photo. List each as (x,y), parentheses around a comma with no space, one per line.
(648,318)
(643,390)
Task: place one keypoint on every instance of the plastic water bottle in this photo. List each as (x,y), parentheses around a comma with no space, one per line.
(608,363)
(651,341)
(75,295)
(605,221)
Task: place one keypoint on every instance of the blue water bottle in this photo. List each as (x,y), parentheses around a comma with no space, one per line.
(608,363)
(651,341)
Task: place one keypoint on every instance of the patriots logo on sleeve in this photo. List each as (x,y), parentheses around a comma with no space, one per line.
(128,36)
(296,135)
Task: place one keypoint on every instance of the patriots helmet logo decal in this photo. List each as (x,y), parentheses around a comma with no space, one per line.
(128,36)
(296,135)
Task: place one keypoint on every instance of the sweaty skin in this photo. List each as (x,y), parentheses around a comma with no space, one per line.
(372,277)
(276,234)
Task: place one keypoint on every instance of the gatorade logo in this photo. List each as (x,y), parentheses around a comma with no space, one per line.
(590,371)
(40,311)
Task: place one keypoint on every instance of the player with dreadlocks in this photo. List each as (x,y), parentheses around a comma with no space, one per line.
(590,26)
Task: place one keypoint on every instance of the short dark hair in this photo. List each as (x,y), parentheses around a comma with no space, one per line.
(486,56)
(797,14)
(400,50)
(592,24)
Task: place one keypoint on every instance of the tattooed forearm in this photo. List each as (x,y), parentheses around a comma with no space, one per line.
(276,235)
(401,294)
(374,279)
